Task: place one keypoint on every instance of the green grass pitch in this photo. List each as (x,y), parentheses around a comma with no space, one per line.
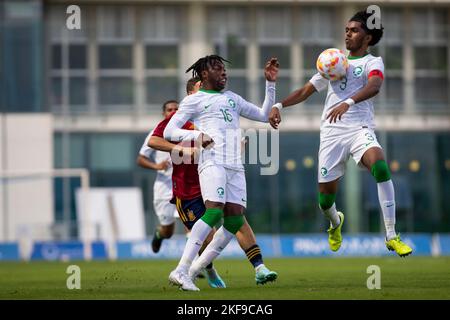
(306,278)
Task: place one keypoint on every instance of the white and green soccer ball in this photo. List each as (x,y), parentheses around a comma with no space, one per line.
(332,64)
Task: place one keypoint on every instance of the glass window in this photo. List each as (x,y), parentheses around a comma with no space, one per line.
(162,23)
(115,22)
(56,91)
(115,57)
(228,21)
(228,29)
(57,14)
(283,88)
(78,91)
(392,20)
(112,152)
(274,23)
(283,53)
(419,184)
(394,92)
(430,58)
(420,30)
(238,85)
(56,56)
(77,56)
(432,92)
(235,52)
(77,151)
(115,90)
(433,24)
(161,89)
(319,24)
(114,178)
(310,55)
(161,56)
(393,58)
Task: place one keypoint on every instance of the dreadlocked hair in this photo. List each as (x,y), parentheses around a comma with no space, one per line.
(203,64)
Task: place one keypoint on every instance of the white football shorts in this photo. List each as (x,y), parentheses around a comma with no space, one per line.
(219,184)
(166,211)
(336,148)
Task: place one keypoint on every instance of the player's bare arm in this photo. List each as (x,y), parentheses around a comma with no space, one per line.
(370,90)
(146,163)
(295,97)
(161,144)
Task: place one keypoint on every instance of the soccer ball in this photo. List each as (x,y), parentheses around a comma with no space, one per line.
(332,64)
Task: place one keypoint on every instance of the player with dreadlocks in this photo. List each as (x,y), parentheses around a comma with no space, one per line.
(221,173)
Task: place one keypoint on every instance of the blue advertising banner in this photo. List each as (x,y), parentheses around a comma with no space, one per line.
(312,245)
(173,248)
(58,250)
(357,245)
(444,244)
(9,251)
(99,251)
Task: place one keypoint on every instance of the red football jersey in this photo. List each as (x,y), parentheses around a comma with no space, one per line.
(185,182)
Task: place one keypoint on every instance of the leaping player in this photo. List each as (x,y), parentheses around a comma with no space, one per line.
(347,130)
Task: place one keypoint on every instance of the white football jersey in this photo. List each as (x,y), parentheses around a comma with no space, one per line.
(360,114)
(162,188)
(217,114)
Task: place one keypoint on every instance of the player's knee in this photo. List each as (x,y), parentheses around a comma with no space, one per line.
(380,171)
(212,216)
(233,223)
(326,200)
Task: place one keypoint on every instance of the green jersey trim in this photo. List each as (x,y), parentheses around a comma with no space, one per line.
(209,91)
(356,57)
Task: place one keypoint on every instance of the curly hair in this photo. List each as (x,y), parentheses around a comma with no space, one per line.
(376,33)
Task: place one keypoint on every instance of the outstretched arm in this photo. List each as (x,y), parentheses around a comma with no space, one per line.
(253,112)
(295,97)
(370,90)
(299,95)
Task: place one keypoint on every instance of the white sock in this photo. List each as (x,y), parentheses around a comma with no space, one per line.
(386,196)
(199,232)
(331,214)
(220,240)
(259,267)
